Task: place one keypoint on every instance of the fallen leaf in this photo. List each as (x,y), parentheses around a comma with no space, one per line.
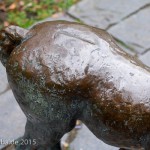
(2,6)
(6,23)
(57,15)
(21,3)
(29,4)
(65,144)
(12,6)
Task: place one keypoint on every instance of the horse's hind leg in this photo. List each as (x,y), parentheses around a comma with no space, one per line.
(145,141)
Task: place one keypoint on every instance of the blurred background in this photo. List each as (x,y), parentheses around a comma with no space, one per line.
(27,12)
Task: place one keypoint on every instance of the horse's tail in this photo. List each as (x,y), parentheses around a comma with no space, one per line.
(10,37)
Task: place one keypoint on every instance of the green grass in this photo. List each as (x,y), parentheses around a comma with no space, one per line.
(35,10)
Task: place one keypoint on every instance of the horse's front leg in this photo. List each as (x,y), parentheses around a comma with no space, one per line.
(40,136)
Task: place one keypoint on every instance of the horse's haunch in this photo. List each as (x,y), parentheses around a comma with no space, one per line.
(62,71)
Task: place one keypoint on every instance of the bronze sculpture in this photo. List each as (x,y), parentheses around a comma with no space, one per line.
(62,71)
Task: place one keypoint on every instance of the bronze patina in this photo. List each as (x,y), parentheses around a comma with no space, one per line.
(62,71)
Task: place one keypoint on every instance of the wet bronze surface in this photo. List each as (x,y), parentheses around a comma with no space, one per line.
(62,71)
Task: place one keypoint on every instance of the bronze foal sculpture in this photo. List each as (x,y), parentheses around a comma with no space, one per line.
(62,71)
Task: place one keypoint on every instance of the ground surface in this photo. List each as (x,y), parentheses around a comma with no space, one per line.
(128,21)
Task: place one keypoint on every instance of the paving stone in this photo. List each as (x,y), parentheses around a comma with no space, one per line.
(12,119)
(134,31)
(3,78)
(103,13)
(145,58)
(86,140)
